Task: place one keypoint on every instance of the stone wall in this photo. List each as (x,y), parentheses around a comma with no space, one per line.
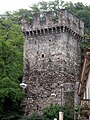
(52,57)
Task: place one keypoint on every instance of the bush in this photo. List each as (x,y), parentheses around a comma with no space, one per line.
(51,112)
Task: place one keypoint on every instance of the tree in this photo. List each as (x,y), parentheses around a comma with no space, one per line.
(11,96)
(11,64)
(11,52)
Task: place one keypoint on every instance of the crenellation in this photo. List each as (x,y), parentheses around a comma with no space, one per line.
(24,25)
(81,28)
(36,22)
(64,19)
(48,17)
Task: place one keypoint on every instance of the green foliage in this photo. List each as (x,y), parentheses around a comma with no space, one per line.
(9,88)
(43,6)
(11,96)
(51,112)
(11,64)
(11,44)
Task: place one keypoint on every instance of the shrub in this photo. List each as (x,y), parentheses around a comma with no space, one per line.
(51,112)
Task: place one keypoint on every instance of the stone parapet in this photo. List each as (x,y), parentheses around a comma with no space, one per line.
(47,20)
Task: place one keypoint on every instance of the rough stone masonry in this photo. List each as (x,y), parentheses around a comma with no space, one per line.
(52,59)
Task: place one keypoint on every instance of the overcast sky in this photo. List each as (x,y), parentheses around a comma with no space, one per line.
(12,5)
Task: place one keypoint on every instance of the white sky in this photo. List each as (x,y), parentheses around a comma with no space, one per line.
(12,5)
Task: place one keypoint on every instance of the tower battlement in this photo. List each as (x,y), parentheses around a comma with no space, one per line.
(50,20)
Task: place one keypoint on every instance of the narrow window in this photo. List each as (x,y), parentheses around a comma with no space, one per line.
(42,55)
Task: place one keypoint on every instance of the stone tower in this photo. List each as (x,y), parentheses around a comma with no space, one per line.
(51,58)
